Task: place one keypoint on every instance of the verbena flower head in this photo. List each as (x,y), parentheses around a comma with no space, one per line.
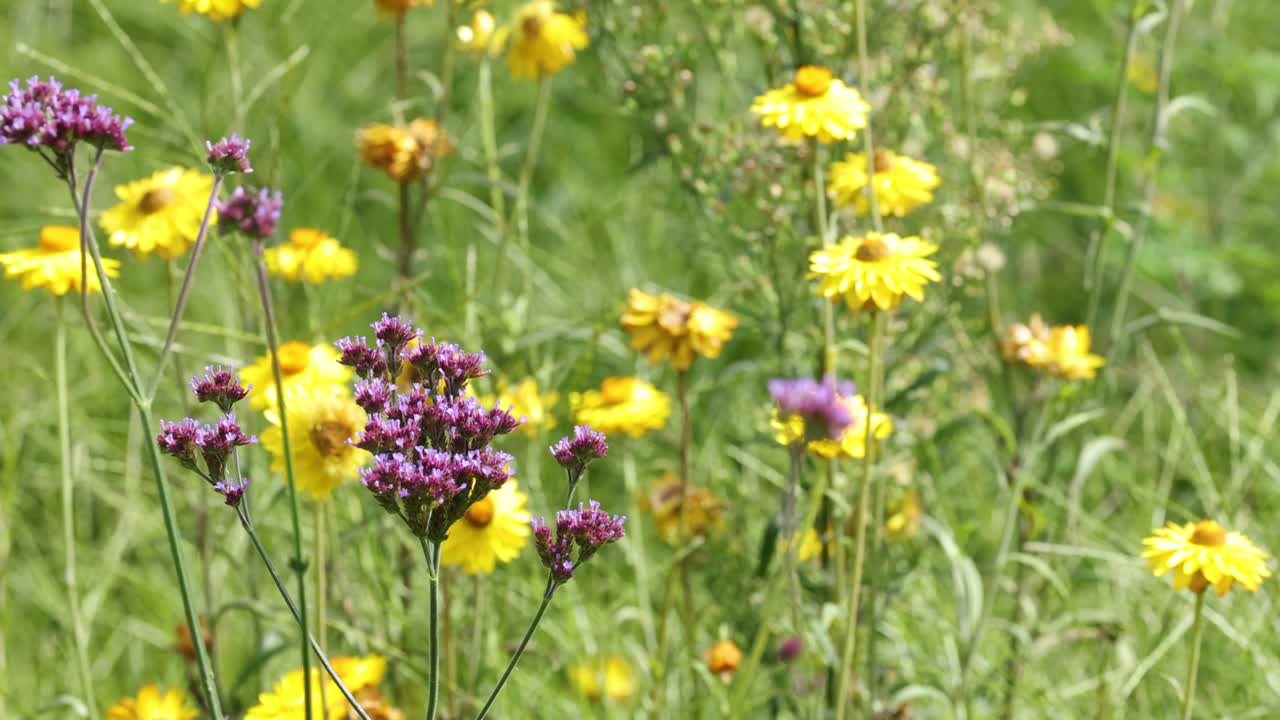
(875,270)
(575,453)
(622,405)
(49,120)
(664,327)
(159,214)
(232,491)
(152,703)
(493,530)
(815,105)
(310,256)
(252,214)
(229,155)
(579,535)
(901,184)
(433,462)
(187,440)
(216,10)
(850,444)
(405,153)
(1204,553)
(55,263)
(544,41)
(219,386)
(817,405)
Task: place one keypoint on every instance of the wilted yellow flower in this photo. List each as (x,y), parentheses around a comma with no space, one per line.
(610,677)
(816,105)
(875,270)
(404,153)
(216,10)
(160,214)
(399,7)
(478,36)
(1204,553)
(151,704)
(903,522)
(312,256)
(850,444)
(321,421)
(286,699)
(900,183)
(1061,350)
(524,400)
(302,366)
(545,40)
(55,263)
(1025,343)
(703,513)
(723,659)
(494,529)
(662,327)
(622,405)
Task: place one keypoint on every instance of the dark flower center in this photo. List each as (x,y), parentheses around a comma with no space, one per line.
(872,249)
(480,514)
(156,199)
(330,437)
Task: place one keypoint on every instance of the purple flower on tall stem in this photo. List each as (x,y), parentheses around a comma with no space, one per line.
(219,386)
(179,440)
(579,535)
(232,491)
(356,353)
(229,155)
(51,121)
(253,214)
(816,403)
(575,453)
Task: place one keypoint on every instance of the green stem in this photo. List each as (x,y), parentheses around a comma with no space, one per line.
(78,631)
(493,171)
(511,666)
(531,162)
(1193,665)
(299,560)
(860,518)
(431,552)
(322,591)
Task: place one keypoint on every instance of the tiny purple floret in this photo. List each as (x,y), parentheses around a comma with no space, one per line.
(229,155)
(219,386)
(253,214)
(575,453)
(817,403)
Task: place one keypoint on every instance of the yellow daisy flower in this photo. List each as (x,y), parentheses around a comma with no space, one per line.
(545,40)
(1204,553)
(525,401)
(850,444)
(399,7)
(478,36)
(312,256)
(875,270)
(816,105)
(286,700)
(1066,354)
(321,421)
(622,405)
(493,530)
(216,10)
(302,366)
(608,678)
(55,263)
(662,327)
(704,514)
(900,183)
(404,153)
(151,704)
(160,214)
(903,522)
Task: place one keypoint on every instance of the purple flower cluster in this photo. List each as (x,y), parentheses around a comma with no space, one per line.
(579,535)
(190,442)
(43,116)
(817,403)
(219,386)
(431,444)
(575,453)
(253,214)
(229,155)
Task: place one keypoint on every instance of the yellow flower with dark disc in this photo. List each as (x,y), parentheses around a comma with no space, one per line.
(323,422)
(153,704)
(622,405)
(493,530)
(814,105)
(302,366)
(698,509)
(901,184)
(55,263)
(312,256)
(609,678)
(875,270)
(1204,553)
(664,327)
(217,10)
(544,41)
(160,214)
(404,152)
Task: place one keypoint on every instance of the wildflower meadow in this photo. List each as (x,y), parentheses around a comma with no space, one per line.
(455,359)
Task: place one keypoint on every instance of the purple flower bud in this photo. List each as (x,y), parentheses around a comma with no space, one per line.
(252,214)
(790,649)
(817,403)
(446,361)
(394,331)
(579,535)
(373,394)
(179,440)
(219,386)
(229,155)
(232,491)
(216,443)
(356,353)
(575,453)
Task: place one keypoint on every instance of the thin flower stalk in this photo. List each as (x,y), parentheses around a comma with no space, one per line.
(1193,664)
(493,171)
(524,642)
(540,109)
(431,552)
(299,561)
